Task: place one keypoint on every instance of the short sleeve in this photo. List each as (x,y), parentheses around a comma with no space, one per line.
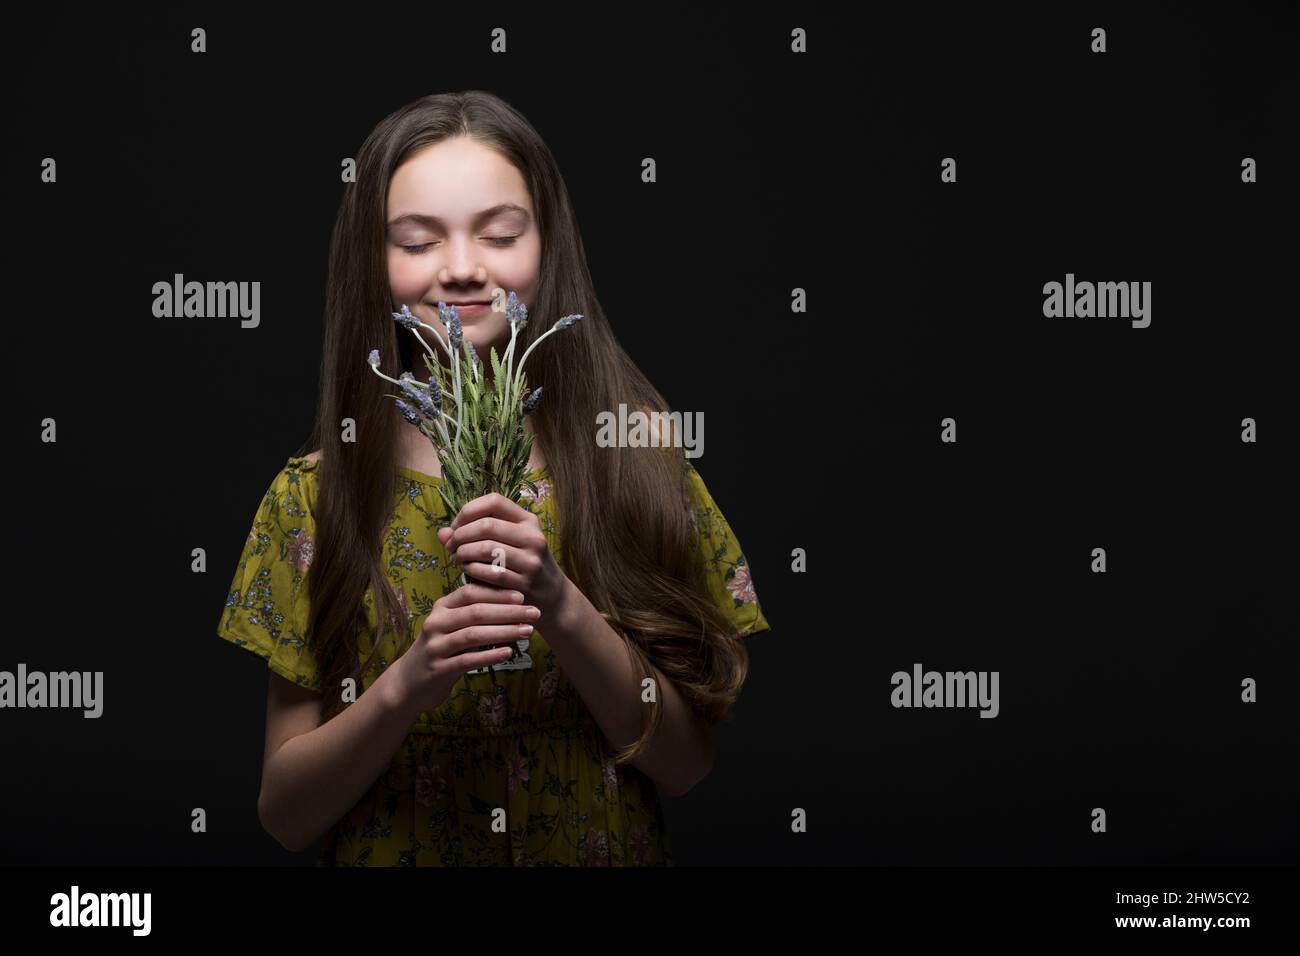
(725,564)
(267,607)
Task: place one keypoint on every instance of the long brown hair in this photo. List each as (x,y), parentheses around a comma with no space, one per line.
(623,521)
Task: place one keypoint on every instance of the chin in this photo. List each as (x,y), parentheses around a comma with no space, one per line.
(485,338)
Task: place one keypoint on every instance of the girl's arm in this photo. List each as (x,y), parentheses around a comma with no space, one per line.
(314,774)
(594,657)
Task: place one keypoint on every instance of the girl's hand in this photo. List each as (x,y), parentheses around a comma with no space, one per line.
(452,641)
(499,542)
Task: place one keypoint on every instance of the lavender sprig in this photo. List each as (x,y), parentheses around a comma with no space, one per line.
(531,401)
(489,449)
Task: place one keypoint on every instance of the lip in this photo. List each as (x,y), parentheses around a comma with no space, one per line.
(470,308)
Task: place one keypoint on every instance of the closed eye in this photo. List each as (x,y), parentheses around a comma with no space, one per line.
(495,240)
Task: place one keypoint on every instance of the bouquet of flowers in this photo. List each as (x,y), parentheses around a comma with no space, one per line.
(476,426)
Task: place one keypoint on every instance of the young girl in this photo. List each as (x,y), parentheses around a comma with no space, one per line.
(406,743)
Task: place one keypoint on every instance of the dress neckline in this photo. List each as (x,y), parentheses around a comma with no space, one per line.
(411,473)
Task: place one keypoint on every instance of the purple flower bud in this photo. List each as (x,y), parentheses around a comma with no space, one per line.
(473,355)
(417,390)
(531,401)
(454,326)
(408,412)
(567,321)
(405,319)
(373,358)
(516,312)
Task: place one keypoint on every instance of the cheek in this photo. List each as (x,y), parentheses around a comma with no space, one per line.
(519,271)
(405,278)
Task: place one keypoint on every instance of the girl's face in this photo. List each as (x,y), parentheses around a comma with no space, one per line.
(461,227)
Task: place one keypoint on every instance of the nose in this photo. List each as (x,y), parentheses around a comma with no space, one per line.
(461,264)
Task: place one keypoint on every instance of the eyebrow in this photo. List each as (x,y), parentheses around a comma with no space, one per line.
(420,219)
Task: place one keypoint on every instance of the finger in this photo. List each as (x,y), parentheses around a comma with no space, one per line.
(483,614)
(467,662)
(487,552)
(481,635)
(492,527)
(476,592)
(495,503)
(495,574)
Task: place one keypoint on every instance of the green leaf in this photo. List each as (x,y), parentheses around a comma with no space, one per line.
(497,374)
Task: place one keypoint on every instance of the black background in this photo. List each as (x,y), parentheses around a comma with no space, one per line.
(775,171)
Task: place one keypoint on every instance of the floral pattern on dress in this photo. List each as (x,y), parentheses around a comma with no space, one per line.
(511,768)
(728,569)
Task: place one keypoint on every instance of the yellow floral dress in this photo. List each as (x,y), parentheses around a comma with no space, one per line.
(525,743)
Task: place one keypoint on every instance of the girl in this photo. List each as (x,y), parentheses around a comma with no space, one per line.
(405,742)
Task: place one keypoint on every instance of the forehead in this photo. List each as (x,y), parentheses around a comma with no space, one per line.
(455,179)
